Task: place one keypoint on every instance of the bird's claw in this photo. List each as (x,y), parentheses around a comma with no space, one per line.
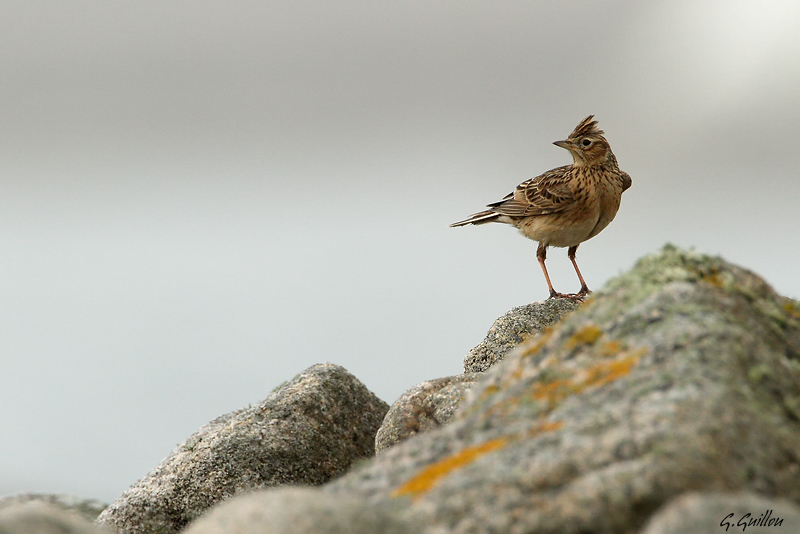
(579,296)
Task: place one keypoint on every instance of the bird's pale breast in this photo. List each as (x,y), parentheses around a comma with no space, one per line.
(596,202)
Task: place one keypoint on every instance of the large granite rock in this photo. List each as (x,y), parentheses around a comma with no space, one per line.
(681,375)
(307,432)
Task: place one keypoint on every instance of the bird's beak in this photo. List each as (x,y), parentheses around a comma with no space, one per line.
(563,144)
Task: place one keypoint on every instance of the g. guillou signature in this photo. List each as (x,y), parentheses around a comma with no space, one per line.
(747,520)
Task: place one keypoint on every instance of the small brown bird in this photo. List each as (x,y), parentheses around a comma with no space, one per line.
(568,205)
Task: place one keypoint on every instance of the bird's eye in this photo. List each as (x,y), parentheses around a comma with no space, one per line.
(586,142)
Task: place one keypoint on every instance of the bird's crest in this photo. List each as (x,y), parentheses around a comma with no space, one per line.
(587,126)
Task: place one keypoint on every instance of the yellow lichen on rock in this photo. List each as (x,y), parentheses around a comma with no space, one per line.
(584,336)
(432,474)
(429,476)
(553,392)
(534,344)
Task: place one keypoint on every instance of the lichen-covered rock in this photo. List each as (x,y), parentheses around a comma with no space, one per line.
(713,513)
(36,516)
(425,406)
(306,432)
(513,328)
(87,508)
(680,375)
(299,511)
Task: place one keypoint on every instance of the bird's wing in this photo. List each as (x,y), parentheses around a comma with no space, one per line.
(547,193)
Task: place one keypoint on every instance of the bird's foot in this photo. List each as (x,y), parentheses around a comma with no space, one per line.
(579,296)
(584,292)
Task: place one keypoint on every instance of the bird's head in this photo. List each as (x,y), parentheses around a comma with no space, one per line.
(587,144)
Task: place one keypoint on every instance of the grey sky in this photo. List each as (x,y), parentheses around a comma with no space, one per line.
(200,199)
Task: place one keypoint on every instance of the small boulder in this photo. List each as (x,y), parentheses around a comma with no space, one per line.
(41,517)
(513,328)
(87,508)
(307,432)
(428,405)
(432,403)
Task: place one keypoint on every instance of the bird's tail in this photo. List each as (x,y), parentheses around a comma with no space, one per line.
(478,218)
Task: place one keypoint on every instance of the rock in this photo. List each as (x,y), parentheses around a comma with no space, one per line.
(87,508)
(425,406)
(307,432)
(432,403)
(299,511)
(513,328)
(681,375)
(41,517)
(713,513)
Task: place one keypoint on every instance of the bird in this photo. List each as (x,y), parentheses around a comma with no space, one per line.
(567,205)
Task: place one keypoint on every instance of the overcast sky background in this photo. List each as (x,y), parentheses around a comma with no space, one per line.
(198,200)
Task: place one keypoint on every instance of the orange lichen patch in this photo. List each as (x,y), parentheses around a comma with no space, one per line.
(610,348)
(537,342)
(791,309)
(605,372)
(429,476)
(544,426)
(585,336)
(490,390)
(713,279)
(517,374)
(555,391)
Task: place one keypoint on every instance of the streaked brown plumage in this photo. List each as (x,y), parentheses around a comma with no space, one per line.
(567,205)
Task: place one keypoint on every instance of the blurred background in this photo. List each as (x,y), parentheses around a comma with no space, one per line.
(198,200)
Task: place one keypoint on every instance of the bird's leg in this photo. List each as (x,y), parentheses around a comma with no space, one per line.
(541,255)
(584,288)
